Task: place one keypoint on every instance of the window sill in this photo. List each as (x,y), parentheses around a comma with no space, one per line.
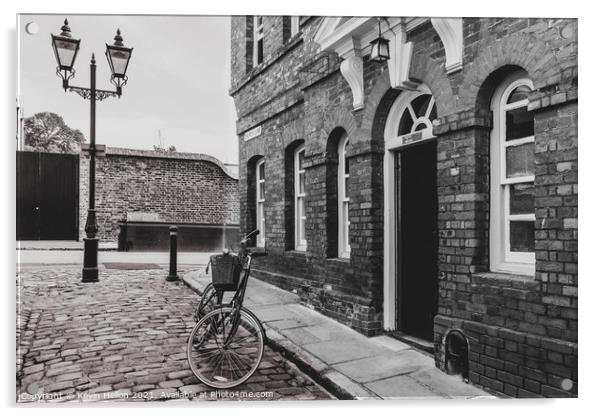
(516,281)
(504,276)
(344,260)
(515,268)
(296,253)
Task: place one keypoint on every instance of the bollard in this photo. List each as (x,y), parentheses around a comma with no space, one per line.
(173,254)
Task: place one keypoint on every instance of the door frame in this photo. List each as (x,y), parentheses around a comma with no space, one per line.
(394,143)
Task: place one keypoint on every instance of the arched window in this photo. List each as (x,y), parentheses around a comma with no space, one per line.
(512,219)
(418,115)
(300,241)
(343,197)
(260,201)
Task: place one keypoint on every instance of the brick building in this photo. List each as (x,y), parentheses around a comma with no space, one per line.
(433,194)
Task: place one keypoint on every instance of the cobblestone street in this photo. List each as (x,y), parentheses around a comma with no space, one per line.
(123,339)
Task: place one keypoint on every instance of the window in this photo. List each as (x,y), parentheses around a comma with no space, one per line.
(290,27)
(418,115)
(300,241)
(257,40)
(260,200)
(512,223)
(343,198)
(294,25)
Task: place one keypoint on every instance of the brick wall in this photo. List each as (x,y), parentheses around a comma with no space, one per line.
(522,331)
(177,187)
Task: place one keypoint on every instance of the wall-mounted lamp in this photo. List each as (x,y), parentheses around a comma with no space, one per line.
(380,48)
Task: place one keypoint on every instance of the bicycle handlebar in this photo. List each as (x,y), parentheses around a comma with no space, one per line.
(256,252)
(249,236)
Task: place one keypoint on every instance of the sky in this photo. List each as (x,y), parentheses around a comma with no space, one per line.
(179,76)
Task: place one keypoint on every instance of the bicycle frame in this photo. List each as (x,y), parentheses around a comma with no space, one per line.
(237,300)
(225,328)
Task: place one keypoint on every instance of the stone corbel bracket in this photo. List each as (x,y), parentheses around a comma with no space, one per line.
(401,59)
(352,69)
(450,31)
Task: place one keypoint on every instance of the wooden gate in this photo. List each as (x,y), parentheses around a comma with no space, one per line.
(47,196)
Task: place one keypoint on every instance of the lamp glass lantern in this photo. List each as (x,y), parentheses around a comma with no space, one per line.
(380,48)
(118,57)
(65,48)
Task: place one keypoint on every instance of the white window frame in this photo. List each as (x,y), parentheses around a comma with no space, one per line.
(343,200)
(294,25)
(257,35)
(300,220)
(260,202)
(501,258)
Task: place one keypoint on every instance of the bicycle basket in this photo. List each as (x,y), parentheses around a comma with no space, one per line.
(225,271)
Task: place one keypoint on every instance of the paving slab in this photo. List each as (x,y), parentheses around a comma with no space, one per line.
(385,366)
(447,385)
(301,336)
(341,350)
(402,387)
(262,294)
(390,343)
(329,330)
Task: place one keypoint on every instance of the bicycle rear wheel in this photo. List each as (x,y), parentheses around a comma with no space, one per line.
(224,349)
(210,299)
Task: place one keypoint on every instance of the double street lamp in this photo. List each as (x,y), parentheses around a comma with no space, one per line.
(65,50)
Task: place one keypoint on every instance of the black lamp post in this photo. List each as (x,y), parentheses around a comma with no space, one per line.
(65,50)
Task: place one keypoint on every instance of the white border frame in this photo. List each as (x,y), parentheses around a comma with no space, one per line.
(294,25)
(260,215)
(256,37)
(344,248)
(501,259)
(393,142)
(300,244)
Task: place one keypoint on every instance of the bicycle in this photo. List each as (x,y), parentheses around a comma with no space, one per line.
(225,346)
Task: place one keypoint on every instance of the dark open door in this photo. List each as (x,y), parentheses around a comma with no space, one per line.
(417,240)
(47,196)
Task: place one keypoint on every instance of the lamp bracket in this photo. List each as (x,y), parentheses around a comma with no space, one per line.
(64,74)
(119,82)
(86,93)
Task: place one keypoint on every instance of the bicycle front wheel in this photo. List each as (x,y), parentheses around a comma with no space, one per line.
(225,348)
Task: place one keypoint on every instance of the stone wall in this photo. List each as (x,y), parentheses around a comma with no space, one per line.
(153,186)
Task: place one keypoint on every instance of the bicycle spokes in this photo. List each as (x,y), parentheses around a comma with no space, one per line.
(225,347)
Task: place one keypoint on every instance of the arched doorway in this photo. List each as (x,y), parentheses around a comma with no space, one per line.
(411,240)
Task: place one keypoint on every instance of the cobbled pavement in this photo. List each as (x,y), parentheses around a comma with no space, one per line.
(123,339)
